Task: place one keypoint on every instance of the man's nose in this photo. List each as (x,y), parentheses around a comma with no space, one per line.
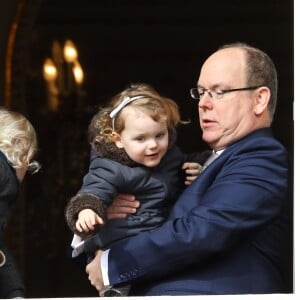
(206,100)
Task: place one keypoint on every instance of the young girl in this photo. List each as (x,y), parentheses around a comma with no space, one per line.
(135,152)
(18,146)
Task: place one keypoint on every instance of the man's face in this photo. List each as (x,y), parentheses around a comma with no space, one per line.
(225,120)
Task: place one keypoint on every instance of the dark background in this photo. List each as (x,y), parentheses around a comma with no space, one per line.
(161,42)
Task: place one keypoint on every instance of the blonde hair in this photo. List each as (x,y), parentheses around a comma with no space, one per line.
(159,108)
(18,140)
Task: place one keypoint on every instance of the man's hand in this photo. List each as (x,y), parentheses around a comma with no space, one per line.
(192,170)
(122,205)
(93,269)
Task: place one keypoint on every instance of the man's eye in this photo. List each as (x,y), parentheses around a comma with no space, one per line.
(201,92)
(219,92)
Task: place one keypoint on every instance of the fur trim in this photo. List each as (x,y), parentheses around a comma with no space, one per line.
(111,151)
(80,202)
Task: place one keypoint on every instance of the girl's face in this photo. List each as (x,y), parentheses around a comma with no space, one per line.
(143,139)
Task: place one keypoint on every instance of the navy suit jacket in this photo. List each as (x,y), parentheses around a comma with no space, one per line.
(228,233)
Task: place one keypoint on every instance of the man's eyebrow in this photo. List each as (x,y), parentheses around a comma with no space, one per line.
(214,86)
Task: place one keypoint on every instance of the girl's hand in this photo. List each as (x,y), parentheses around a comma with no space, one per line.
(87,220)
(192,170)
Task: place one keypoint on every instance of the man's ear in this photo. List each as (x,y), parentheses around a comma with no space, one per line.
(117,139)
(262,98)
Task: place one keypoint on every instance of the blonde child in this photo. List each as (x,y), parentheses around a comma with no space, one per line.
(18,146)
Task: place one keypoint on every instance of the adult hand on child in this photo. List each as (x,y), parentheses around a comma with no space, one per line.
(122,205)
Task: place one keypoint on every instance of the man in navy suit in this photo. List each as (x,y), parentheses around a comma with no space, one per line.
(229,232)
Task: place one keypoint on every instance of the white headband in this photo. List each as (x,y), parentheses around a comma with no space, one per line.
(120,106)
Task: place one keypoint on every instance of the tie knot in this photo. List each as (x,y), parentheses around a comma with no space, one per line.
(210,159)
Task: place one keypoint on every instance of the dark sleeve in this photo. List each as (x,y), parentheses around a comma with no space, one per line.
(77,204)
(100,185)
(104,179)
(9,187)
(10,279)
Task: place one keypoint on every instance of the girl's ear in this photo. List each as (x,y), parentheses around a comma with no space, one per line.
(262,99)
(117,139)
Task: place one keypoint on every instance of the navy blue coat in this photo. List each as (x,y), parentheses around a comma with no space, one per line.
(156,188)
(228,233)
